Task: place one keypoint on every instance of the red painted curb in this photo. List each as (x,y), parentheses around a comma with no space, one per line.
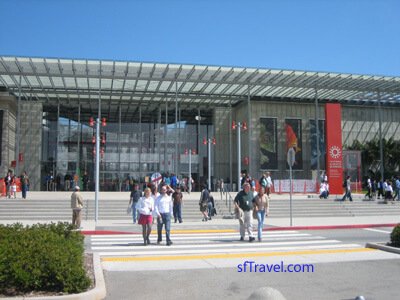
(324,227)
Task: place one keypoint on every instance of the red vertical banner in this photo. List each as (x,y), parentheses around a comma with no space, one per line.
(334,159)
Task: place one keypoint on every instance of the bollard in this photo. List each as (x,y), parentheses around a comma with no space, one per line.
(266,293)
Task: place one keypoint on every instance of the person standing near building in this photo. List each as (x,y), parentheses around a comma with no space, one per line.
(347,186)
(177,197)
(145,207)
(163,208)
(24,184)
(244,201)
(85,181)
(269,184)
(67,182)
(133,200)
(76,205)
(261,208)
(7,183)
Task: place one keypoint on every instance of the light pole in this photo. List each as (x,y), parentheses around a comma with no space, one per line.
(208,142)
(97,155)
(238,126)
(291,154)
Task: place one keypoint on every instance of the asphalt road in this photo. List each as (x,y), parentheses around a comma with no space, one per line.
(336,275)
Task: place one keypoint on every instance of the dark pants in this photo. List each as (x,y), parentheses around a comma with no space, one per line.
(347,195)
(178,212)
(24,189)
(165,220)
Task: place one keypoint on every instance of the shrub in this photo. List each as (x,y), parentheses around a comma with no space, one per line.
(395,237)
(42,257)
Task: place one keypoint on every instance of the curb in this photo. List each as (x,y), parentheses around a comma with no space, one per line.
(383,247)
(97,293)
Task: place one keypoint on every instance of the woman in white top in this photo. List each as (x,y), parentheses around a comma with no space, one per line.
(145,206)
(261,207)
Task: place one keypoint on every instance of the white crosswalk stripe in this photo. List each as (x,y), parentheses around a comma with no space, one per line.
(210,243)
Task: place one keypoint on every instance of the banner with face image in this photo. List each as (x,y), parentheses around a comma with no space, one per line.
(293,131)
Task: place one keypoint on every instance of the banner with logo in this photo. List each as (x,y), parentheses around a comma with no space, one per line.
(322,146)
(334,161)
(268,144)
(1,132)
(294,142)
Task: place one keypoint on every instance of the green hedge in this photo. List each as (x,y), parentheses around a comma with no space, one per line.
(42,257)
(395,237)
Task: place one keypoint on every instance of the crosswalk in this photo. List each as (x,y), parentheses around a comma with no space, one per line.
(208,249)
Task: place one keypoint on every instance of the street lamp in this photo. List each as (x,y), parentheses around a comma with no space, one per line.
(238,126)
(190,152)
(97,181)
(208,142)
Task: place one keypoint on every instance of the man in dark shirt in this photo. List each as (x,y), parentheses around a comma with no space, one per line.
(244,202)
(177,208)
(133,200)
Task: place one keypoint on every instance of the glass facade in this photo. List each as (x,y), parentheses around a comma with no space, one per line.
(130,151)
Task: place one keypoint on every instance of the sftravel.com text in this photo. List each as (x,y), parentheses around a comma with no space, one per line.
(253,267)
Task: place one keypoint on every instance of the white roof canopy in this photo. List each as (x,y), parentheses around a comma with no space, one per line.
(75,80)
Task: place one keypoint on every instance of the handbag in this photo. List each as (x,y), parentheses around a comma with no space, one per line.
(255,214)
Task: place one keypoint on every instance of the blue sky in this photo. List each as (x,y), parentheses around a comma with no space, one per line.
(350,36)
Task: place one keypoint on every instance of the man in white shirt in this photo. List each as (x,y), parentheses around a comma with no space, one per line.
(164,209)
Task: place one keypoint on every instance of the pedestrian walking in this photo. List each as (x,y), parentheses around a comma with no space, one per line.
(388,191)
(347,186)
(76,205)
(369,189)
(24,184)
(210,206)
(133,200)
(164,208)
(260,210)
(203,203)
(397,189)
(177,197)
(145,206)
(244,201)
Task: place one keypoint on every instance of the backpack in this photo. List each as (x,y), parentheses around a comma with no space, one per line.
(345,184)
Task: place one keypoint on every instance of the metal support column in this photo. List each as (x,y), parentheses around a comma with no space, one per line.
(79,140)
(380,137)
(238,156)
(317,131)
(18,135)
(249,124)
(176,130)
(97,187)
(230,150)
(140,144)
(209,163)
(159,138)
(166,135)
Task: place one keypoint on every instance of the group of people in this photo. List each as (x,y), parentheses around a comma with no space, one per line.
(70,182)
(248,205)
(10,182)
(160,206)
(389,190)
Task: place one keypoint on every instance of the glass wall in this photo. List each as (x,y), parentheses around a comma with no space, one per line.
(130,152)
